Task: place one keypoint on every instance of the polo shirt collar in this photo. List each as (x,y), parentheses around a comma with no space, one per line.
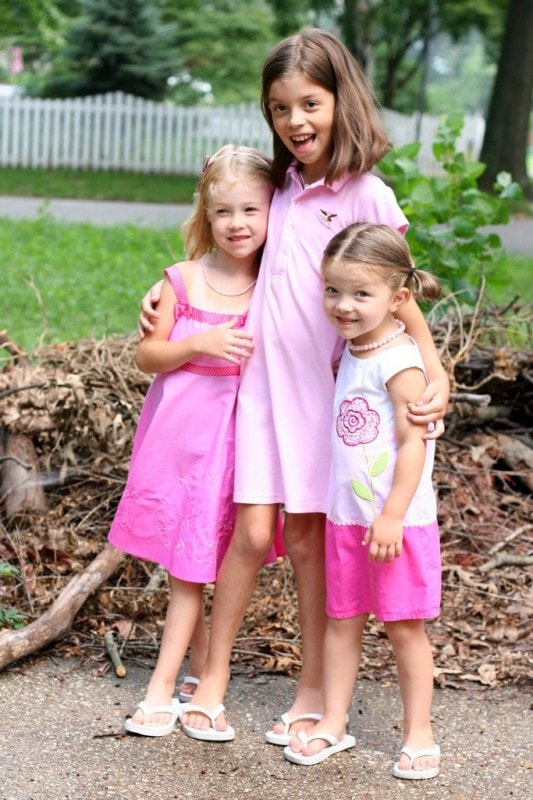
(337,184)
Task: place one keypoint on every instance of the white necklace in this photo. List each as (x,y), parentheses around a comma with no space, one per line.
(358,348)
(218,291)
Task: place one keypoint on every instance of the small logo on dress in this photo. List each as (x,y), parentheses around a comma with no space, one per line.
(326,217)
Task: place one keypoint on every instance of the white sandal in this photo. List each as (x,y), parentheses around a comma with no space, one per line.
(186,697)
(417,774)
(155,730)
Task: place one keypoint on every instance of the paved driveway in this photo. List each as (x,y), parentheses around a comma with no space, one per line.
(517,236)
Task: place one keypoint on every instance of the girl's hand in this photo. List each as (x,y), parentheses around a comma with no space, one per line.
(222,341)
(148,312)
(385,537)
(430,407)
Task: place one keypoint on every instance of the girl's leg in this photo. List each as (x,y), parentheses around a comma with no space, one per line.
(254,533)
(184,608)
(414,662)
(304,541)
(342,657)
(197,651)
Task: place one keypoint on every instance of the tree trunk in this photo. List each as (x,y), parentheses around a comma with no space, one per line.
(20,487)
(57,619)
(506,136)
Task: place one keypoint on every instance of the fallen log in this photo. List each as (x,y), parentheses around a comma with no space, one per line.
(57,619)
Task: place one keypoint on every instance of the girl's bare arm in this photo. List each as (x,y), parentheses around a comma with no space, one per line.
(149,310)
(432,403)
(386,533)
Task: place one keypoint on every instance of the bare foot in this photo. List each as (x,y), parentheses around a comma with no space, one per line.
(407,762)
(155,696)
(188,687)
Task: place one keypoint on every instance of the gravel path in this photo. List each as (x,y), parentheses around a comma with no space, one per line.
(61,740)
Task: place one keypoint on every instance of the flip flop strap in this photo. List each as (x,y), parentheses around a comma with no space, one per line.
(155,709)
(287,721)
(326,737)
(412,754)
(212,717)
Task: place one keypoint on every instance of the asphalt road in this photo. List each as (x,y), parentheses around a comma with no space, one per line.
(516,236)
(61,739)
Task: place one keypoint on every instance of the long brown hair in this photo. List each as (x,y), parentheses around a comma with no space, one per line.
(359,137)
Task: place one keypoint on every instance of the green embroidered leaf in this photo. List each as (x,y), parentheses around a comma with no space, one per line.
(361,491)
(379,465)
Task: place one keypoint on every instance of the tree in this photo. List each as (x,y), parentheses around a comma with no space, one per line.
(118,46)
(220,48)
(507,130)
(391,39)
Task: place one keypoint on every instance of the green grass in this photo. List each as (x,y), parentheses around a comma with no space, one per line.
(63,282)
(132,186)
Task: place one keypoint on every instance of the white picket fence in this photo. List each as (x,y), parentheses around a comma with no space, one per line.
(120,132)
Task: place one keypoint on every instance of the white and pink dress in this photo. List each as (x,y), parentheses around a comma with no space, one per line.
(364,452)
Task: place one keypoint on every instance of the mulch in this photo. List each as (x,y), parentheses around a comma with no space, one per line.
(78,404)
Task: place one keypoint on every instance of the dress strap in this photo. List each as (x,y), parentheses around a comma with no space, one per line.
(176,279)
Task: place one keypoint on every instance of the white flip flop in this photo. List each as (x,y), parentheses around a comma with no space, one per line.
(335,746)
(155,730)
(284,738)
(417,774)
(207,734)
(185,697)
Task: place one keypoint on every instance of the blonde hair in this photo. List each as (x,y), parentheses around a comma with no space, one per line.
(384,250)
(229,165)
(359,137)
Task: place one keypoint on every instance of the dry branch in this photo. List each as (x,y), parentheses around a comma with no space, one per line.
(114,655)
(57,619)
(504,558)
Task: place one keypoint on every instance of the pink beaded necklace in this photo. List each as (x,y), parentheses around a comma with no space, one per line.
(358,348)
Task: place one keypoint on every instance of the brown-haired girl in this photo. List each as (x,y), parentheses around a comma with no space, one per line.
(327,137)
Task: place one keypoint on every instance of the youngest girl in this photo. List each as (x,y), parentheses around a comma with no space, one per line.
(382,538)
(177,508)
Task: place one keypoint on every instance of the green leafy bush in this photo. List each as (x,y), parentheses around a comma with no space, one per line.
(447,212)
(9,617)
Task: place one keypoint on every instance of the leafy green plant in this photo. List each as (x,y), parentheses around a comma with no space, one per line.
(446,212)
(10,617)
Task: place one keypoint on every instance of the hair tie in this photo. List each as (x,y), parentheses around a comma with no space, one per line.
(411,272)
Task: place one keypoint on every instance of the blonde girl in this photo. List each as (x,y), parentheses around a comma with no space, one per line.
(177,508)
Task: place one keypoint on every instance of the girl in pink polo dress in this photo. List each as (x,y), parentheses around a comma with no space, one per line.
(327,137)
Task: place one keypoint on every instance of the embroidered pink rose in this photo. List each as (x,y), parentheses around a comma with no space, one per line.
(357,423)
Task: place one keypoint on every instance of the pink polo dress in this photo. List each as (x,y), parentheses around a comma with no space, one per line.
(285,401)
